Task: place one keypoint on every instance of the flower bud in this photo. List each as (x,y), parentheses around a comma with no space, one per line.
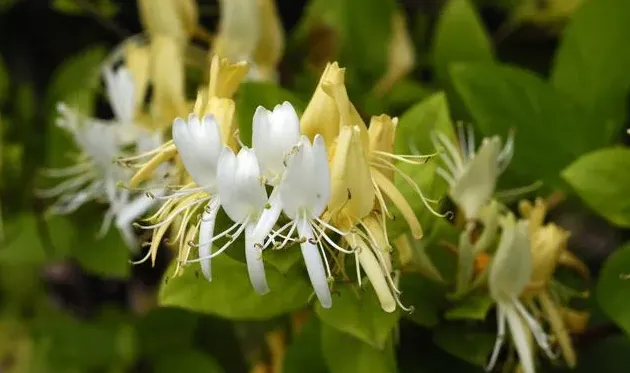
(353,195)
(137,62)
(167,75)
(382,134)
(270,45)
(401,55)
(174,18)
(225,77)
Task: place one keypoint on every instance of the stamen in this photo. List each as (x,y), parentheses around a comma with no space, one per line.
(501,321)
(332,228)
(71,184)
(66,171)
(538,332)
(225,233)
(329,240)
(224,247)
(142,260)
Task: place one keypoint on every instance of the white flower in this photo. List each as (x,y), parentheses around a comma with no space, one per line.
(274,136)
(509,274)
(472,177)
(304,193)
(120,92)
(243,198)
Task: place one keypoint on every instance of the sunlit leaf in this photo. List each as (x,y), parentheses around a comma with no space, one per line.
(358,313)
(602,180)
(503,98)
(592,63)
(230,293)
(344,353)
(613,287)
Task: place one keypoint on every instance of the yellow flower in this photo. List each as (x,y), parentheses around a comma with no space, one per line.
(175,18)
(270,45)
(352,194)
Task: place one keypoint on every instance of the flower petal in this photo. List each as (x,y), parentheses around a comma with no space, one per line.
(206,232)
(255,265)
(314,264)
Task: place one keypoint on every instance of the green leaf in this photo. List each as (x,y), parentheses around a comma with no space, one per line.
(230,293)
(304,354)
(345,354)
(414,129)
(190,361)
(602,180)
(104,256)
(465,342)
(592,66)
(104,8)
(473,307)
(426,298)
(26,243)
(460,36)
(502,98)
(166,330)
(359,315)
(613,288)
(283,260)
(372,28)
(253,94)
(605,355)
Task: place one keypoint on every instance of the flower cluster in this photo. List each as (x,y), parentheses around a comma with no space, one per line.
(519,276)
(330,182)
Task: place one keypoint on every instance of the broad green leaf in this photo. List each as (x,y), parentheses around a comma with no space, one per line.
(166,330)
(367,23)
(29,241)
(253,94)
(592,63)
(503,98)
(413,137)
(230,293)
(465,342)
(613,287)
(359,315)
(346,354)
(460,36)
(424,296)
(283,260)
(304,354)
(190,361)
(473,307)
(602,179)
(105,256)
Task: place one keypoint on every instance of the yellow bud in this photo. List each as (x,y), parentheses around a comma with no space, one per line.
(547,244)
(223,111)
(137,61)
(401,55)
(535,213)
(321,115)
(382,134)
(174,18)
(167,75)
(225,77)
(352,193)
(270,45)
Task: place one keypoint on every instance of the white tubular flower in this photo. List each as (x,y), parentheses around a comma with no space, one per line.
(509,274)
(243,198)
(199,145)
(304,192)
(120,90)
(274,135)
(472,176)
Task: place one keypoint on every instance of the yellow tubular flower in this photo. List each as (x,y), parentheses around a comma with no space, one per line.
(225,77)
(352,194)
(175,18)
(270,45)
(137,59)
(321,115)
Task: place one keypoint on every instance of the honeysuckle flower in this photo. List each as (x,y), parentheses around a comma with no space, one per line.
(270,46)
(509,274)
(304,193)
(274,135)
(175,18)
(472,176)
(243,198)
